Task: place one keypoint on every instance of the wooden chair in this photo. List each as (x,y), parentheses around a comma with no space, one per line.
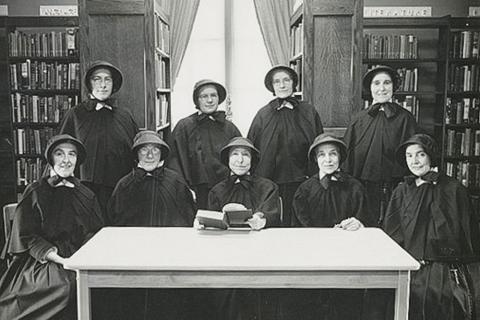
(8,214)
(281,209)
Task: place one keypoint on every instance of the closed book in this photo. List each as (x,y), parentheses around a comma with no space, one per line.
(212,219)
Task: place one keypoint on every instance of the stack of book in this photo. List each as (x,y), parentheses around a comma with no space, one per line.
(464,44)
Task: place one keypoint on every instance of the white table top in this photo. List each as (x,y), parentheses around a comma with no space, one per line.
(288,249)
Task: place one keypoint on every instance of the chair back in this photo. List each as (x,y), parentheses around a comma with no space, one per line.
(8,214)
(280,201)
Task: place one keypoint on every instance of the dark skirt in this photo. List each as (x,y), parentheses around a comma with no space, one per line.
(33,290)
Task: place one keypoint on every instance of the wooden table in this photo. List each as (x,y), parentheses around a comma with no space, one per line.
(272,258)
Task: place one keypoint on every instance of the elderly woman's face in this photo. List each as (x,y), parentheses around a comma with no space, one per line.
(418,161)
(328,158)
(101,82)
(149,156)
(239,160)
(64,158)
(208,99)
(282,84)
(381,87)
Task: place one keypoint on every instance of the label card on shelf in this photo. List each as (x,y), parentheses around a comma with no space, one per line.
(3,10)
(59,11)
(397,12)
(474,11)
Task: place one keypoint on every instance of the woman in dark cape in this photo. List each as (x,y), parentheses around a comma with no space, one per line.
(372,137)
(430,216)
(330,198)
(55,217)
(198,138)
(150,196)
(283,130)
(105,129)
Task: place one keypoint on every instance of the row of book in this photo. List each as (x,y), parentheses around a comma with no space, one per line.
(297,65)
(30,141)
(464,142)
(464,44)
(296,39)
(43,44)
(29,170)
(464,78)
(403,46)
(40,109)
(466,172)
(162,73)
(409,79)
(40,75)
(162,35)
(161,114)
(462,111)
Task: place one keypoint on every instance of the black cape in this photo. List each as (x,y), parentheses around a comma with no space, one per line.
(160,199)
(256,193)
(107,136)
(372,141)
(46,217)
(315,206)
(435,223)
(195,145)
(283,138)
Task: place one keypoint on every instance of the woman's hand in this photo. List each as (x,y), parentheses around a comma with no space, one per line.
(350,224)
(197,225)
(257,221)
(53,256)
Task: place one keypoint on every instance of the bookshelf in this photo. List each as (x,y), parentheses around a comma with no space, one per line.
(325,51)
(135,36)
(461,114)
(43,73)
(416,48)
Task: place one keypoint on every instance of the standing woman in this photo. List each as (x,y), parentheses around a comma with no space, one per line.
(372,138)
(430,216)
(55,217)
(283,130)
(197,139)
(106,131)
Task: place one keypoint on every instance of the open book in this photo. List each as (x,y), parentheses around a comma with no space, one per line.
(224,220)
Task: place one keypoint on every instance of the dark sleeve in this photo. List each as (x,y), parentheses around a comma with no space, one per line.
(270,206)
(67,125)
(318,123)
(214,202)
(97,220)
(112,214)
(178,159)
(349,139)
(360,207)
(392,222)
(26,229)
(188,207)
(301,208)
(255,130)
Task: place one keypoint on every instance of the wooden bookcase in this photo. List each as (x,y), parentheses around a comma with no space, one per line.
(417,49)
(134,36)
(327,57)
(43,82)
(461,116)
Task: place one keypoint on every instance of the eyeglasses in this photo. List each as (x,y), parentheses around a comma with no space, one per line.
(98,80)
(145,150)
(206,96)
(277,82)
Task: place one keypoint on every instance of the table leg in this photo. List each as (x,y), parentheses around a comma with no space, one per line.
(402,295)
(83,296)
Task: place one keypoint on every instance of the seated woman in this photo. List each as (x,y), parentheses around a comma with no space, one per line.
(242,189)
(430,216)
(55,217)
(150,196)
(330,198)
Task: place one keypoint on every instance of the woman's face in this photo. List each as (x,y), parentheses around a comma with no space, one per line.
(418,161)
(64,159)
(208,99)
(282,84)
(328,158)
(101,82)
(149,157)
(239,160)
(381,87)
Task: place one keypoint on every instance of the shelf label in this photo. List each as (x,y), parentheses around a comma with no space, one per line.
(397,12)
(474,11)
(4,10)
(59,11)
